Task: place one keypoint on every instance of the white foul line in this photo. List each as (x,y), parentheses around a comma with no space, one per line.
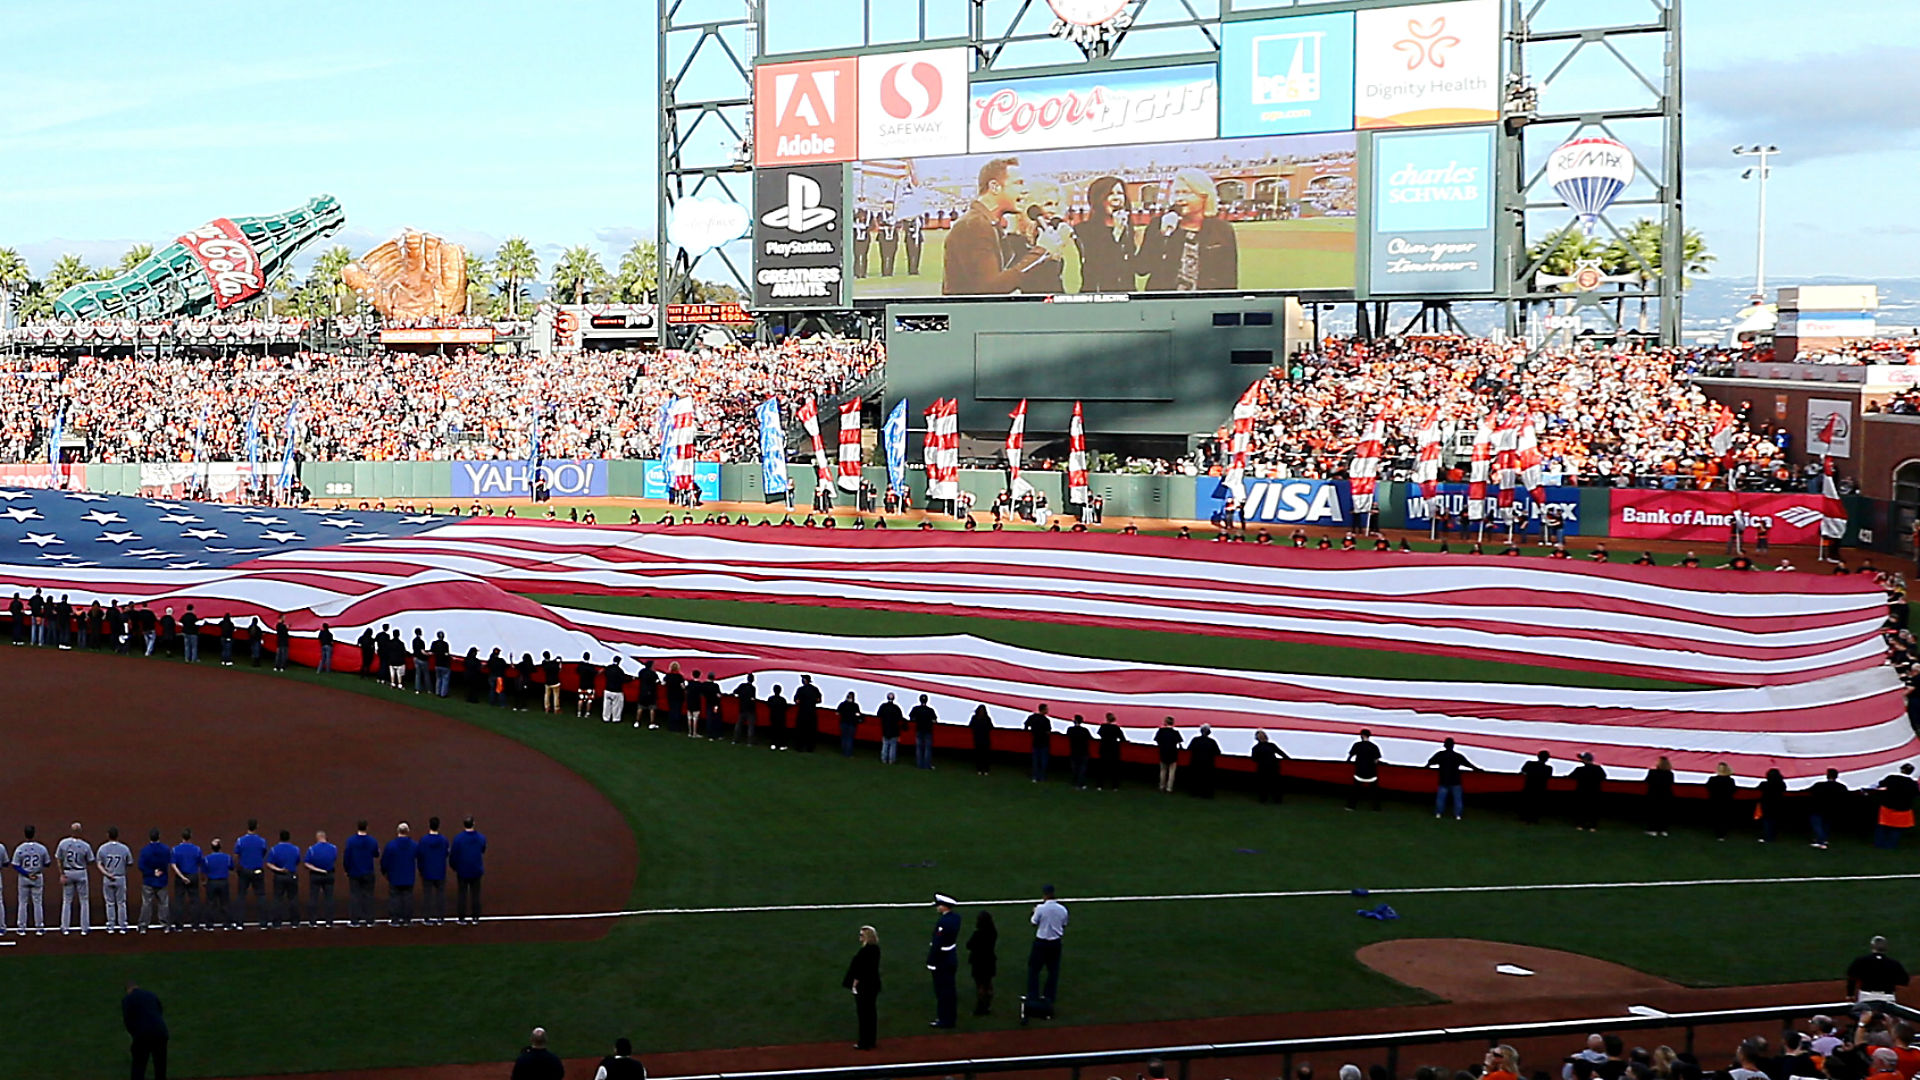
(1292,894)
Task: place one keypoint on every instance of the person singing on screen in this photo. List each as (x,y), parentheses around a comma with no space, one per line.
(1192,248)
(1105,239)
(974,262)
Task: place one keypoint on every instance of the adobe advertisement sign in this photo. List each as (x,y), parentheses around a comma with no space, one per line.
(804,112)
(1428,65)
(913,103)
(1707,516)
(1287,76)
(1432,229)
(799,257)
(1114,108)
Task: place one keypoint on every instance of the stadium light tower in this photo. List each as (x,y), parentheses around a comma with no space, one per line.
(1759,173)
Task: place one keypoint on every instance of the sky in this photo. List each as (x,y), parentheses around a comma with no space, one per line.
(123,123)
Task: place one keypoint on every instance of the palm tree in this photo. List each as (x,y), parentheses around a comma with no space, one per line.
(15,275)
(135,255)
(325,280)
(479,285)
(639,273)
(516,264)
(1644,254)
(578,272)
(1562,253)
(68,271)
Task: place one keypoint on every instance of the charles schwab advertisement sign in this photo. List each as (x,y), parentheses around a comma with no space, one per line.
(799,259)
(1280,502)
(1432,228)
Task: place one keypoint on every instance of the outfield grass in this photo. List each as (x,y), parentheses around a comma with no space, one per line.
(1161,647)
(721,825)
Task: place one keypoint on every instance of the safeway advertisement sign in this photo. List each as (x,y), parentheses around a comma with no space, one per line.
(804,112)
(1707,516)
(913,104)
(1114,108)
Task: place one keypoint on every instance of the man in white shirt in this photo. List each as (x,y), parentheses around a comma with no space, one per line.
(1050,926)
(113,858)
(74,855)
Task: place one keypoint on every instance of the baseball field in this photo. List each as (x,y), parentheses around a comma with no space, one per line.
(728,881)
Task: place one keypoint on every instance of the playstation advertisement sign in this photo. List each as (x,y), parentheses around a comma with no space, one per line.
(799,233)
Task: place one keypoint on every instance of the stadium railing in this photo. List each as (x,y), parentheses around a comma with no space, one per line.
(1180,1059)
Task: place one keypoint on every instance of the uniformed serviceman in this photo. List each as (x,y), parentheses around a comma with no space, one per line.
(943,959)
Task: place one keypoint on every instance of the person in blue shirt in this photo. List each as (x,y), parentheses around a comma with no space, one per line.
(396,863)
(431,855)
(217,867)
(283,862)
(156,860)
(467,856)
(250,854)
(320,861)
(186,884)
(357,861)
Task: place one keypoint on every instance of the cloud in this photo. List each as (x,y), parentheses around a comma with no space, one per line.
(1814,106)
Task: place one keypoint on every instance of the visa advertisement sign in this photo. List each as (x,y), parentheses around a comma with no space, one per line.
(1280,502)
(1432,227)
(1289,76)
(507,479)
(706,477)
(1452,499)
(1112,108)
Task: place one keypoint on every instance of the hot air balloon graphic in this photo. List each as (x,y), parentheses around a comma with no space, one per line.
(1588,174)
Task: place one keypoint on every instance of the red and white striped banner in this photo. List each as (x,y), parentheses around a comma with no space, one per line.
(1482,470)
(850,446)
(1239,450)
(1426,470)
(810,419)
(1365,470)
(1078,491)
(1016,442)
(943,449)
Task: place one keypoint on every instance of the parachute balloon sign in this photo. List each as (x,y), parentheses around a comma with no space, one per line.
(1588,174)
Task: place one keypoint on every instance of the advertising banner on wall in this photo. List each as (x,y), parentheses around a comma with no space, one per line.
(913,103)
(1235,214)
(1286,76)
(1825,412)
(706,477)
(1707,516)
(1453,500)
(72,477)
(1432,228)
(1280,502)
(1427,65)
(507,479)
(798,251)
(804,112)
(1113,108)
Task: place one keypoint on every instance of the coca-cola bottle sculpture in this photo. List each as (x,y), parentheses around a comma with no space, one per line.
(220,264)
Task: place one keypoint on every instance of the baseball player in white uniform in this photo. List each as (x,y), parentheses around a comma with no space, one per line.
(113,858)
(30,862)
(74,855)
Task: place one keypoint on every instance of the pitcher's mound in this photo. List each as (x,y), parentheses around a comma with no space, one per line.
(1462,969)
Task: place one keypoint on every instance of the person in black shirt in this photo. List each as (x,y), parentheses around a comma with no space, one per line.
(1896,807)
(1645,559)
(983,962)
(523,683)
(496,676)
(226,640)
(675,685)
(1450,788)
(1167,740)
(1202,752)
(1040,730)
(442,654)
(536,1062)
(892,720)
(169,630)
(282,643)
(550,683)
(1366,770)
(1720,793)
(1267,757)
(621,1064)
(1827,801)
(777,705)
(710,694)
(746,697)
(1112,738)
(63,622)
(806,715)
(366,643)
(1535,776)
(1773,804)
(981,725)
(863,978)
(1079,747)
(1875,977)
(849,712)
(1659,797)
(584,673)
(145,1020)
(924,719)
(325,641)
(190,636)
(17,617)
(473,673)
(1587,779)
(257,637)
(646,695)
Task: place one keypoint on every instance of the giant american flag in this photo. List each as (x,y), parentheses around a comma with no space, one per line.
(1782,671)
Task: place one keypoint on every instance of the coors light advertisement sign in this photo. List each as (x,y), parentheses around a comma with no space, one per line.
(231,265)
(1113,108)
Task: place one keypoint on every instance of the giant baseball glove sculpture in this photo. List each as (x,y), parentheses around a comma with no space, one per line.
(412,276)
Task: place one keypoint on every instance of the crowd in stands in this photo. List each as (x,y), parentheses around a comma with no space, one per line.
(1608,417)
(402,406)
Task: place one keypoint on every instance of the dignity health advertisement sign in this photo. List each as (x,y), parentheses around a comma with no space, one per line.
(1432,212)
